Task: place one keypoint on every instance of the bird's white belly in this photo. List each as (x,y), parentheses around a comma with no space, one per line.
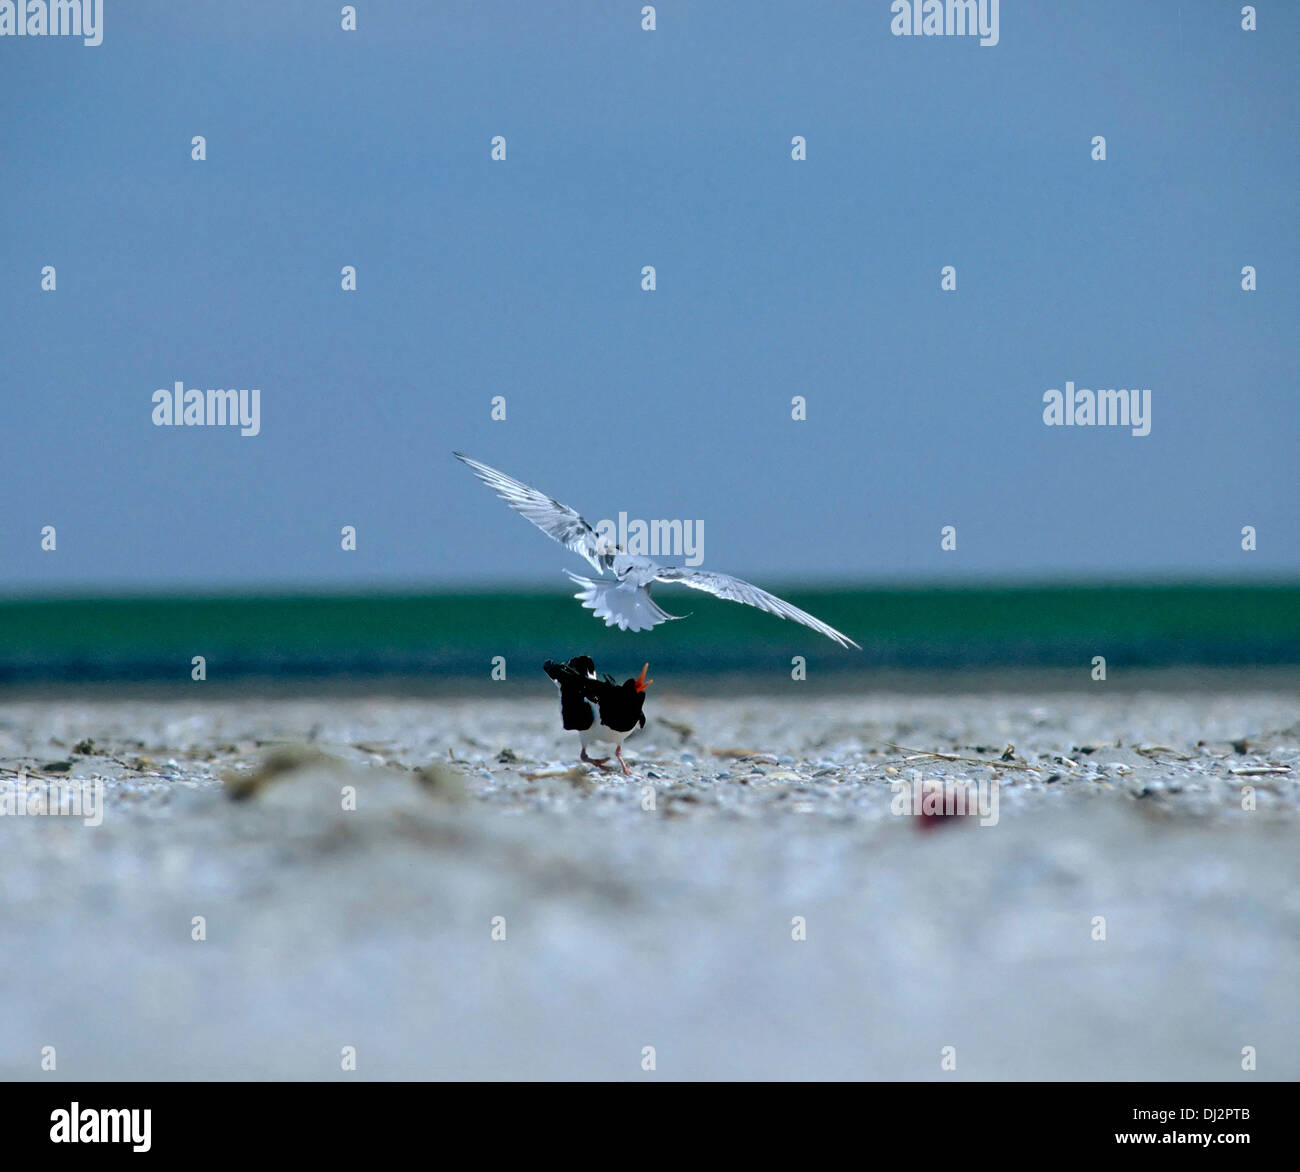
(598,734)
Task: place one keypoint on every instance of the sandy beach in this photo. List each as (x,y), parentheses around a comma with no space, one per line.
(748,904)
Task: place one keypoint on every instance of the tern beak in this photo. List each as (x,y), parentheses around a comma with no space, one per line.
(641,682)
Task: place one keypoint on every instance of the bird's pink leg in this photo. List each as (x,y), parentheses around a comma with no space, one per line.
(618,752)
(599,763)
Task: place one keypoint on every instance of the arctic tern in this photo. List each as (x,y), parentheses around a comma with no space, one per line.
(625,601)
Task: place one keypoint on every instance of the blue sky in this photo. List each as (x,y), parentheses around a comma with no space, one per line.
(521,278)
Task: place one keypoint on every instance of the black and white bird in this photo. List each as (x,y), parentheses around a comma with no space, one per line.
(573,679)
(621,707)
(624,600)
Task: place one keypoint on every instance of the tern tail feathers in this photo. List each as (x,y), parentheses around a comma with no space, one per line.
(624,605)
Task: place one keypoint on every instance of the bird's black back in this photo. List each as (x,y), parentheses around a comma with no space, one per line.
(576,713)
(621,705)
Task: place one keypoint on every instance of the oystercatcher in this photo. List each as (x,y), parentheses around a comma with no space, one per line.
(625,602)
(621,706)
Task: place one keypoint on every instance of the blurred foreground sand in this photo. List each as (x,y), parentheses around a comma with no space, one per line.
(669,927)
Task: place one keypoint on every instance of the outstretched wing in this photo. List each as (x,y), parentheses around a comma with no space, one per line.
(624,605)
(554,519)
(737,590)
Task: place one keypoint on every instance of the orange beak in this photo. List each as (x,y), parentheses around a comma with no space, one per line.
(641,682)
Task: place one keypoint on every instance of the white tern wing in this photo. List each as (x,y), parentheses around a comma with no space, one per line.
(566,525)
(737,590)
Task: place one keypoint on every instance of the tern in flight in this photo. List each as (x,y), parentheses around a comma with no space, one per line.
(624,600)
